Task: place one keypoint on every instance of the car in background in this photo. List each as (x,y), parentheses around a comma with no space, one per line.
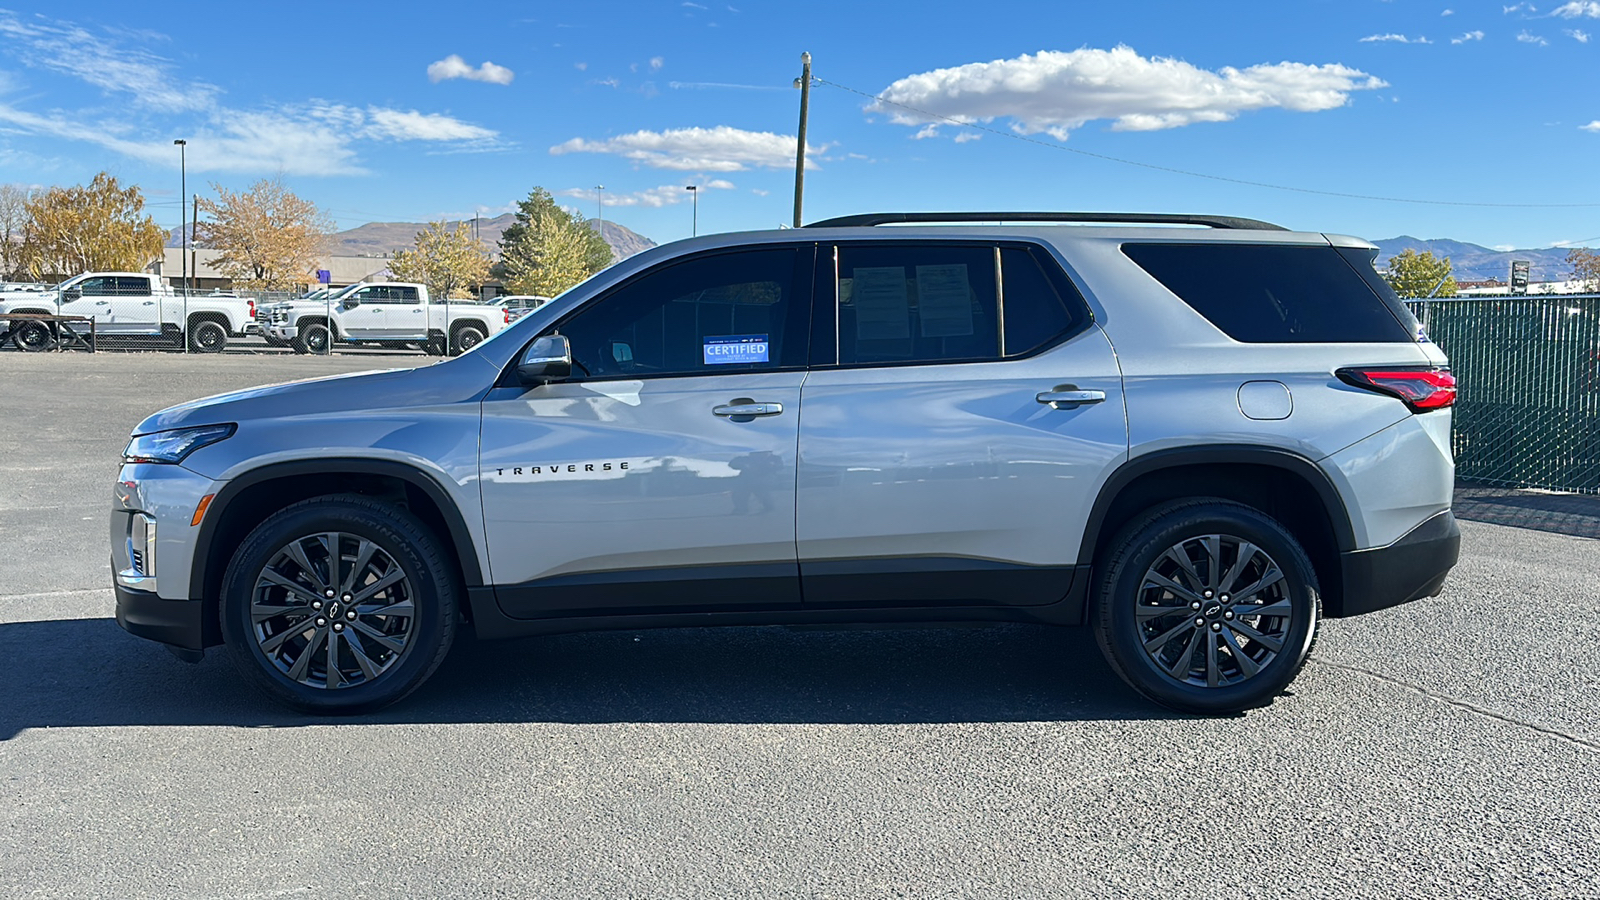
(518,305)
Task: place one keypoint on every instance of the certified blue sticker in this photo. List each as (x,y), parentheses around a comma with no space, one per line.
(736,348)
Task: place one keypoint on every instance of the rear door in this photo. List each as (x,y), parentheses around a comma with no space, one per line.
(961,412)
(661,477)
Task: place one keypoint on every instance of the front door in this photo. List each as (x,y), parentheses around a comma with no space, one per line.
(365,314)
(935,467)
(661,476)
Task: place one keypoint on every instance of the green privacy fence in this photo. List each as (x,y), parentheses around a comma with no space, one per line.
(1529,373)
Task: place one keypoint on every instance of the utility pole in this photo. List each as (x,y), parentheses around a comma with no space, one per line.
(183,234)
(600,208)
(804,84)
(194,269)
(694,194)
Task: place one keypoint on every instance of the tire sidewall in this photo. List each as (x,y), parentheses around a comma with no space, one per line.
(199,344)
(393,531)
(45,343)
(1118,629)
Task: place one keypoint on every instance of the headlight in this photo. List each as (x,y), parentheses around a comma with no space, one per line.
(172,446)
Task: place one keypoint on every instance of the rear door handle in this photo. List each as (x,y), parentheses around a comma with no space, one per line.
(1068,397)
(739,409)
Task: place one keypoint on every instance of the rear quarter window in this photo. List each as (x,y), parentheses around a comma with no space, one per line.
(1273,293)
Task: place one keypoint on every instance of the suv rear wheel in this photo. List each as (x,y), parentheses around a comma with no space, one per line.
(1207,607)
(339,605)
(207,337)
(33,337)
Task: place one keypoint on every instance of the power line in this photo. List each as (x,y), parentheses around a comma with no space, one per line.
(1175,171)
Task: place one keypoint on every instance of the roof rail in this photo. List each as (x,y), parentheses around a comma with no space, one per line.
(1118,218)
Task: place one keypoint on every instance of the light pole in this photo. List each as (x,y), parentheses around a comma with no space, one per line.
(183,232)
(600,208)
(694,194)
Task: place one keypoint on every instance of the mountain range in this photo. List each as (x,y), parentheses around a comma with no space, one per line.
(384,238)
(1471,262)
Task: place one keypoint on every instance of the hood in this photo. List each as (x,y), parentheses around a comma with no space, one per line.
(458,380)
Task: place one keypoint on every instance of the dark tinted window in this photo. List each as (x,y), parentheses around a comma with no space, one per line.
(98,287)
(732,312)
(132,286)
(1267,293)
(1035,311)
(905,303)
(405,294)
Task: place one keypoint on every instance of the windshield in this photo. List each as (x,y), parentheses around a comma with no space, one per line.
(340,294)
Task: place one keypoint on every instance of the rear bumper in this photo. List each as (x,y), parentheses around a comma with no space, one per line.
(178,623)
(1411,568)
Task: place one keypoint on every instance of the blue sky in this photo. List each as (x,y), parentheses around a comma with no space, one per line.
(1304,113)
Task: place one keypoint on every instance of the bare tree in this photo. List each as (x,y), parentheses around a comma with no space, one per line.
(13,214)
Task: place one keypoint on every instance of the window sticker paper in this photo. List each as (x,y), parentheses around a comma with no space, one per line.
(734,349)
(944,300)
(883,311)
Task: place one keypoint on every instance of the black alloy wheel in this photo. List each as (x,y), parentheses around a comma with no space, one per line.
(33,337)
(1207,606)
(339,605)
(207,337)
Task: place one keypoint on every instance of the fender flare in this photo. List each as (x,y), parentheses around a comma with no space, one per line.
(460,538)
(1219,454)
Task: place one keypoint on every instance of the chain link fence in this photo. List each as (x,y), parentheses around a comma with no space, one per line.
(1528,414)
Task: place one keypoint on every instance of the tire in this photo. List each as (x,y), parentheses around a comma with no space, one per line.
(1210,654)
(207,337)
(32,337)
(464,338)
(314,338)
(434,345)
(376,658)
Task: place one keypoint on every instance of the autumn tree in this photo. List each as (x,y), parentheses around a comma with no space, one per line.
(101,227)
(447,260)
(1414,274)
(13,214)
(267,238)
(549,249)
(1585,265)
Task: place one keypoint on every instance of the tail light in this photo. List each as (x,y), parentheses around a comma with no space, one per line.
(1421,388)
(252,302)
(508,315)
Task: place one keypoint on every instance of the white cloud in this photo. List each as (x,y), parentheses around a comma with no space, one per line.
(1520,7)
(581,66)
(1056,92)
(1526,38)
(99,61)
(966,136)
(1578,9)
(1395,38)
(404,125)
(608,82)
(1592,126)
(1578,34)
(927,131)
(719,149)
(652,198)
(656,63)
(1469,36)
(759,192)
(1503,248)
(453,66)
(1448,12)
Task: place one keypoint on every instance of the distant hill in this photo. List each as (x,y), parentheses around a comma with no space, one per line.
(384,238)
(1470,262)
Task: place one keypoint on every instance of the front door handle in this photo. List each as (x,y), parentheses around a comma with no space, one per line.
(746,409)
(1066,396)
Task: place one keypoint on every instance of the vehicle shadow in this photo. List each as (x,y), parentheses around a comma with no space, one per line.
(1572,514)
(88,672)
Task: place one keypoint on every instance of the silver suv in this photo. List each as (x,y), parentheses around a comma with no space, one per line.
(1195,440)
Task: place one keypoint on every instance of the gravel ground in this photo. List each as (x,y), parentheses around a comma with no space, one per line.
(1447,748)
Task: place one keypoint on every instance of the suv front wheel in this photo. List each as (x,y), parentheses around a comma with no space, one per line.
(1207,606)
(339,605)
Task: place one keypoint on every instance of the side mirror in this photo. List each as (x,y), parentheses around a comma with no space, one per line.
(547,359)
(352,302)
(70,294)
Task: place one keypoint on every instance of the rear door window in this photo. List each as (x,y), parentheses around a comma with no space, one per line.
(1273,293)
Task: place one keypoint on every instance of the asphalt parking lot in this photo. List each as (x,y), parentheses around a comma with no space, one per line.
(1447,748)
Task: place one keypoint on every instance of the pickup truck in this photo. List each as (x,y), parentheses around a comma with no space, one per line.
(131,304)
(385,314)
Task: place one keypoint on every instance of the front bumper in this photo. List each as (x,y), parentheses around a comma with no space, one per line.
(177,623)
(1411,568)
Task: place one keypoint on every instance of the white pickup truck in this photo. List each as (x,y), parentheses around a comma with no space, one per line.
(130,304)
(386,314)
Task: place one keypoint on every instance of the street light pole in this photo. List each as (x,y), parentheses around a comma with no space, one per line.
(694,194)
(183,233)
(600,208)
